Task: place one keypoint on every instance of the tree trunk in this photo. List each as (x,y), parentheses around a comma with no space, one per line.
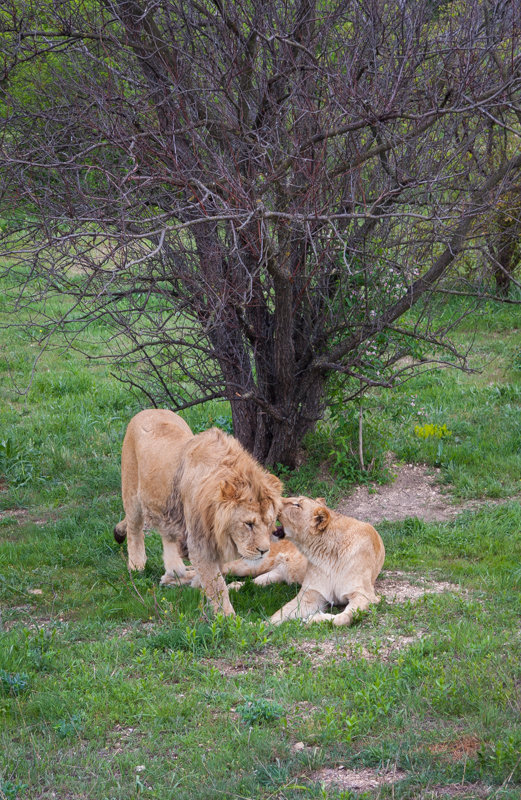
(278,439)
(506,262)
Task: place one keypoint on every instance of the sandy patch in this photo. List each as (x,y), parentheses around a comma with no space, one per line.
(13,514)
(463,791)
(413,493)
(399,587)
(360,780)
(457,749)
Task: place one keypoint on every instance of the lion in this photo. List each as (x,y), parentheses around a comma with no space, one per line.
(202,492)
(344,556)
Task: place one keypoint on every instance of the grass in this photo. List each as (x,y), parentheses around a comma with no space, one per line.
(113,687)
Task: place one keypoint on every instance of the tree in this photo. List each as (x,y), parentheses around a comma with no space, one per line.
(253,196)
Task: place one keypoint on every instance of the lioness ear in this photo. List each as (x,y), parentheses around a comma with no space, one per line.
(321,517)
(320,500)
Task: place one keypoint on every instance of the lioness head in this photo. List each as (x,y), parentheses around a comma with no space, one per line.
(302,517)
(245,516)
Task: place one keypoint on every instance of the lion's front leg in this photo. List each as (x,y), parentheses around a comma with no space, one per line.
(307,603)
(213,584)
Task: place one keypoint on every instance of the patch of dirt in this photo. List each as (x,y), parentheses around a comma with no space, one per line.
(327,650)
(229,668)
(20,515)
(398,587)
(414,493)
(14,514)
(119,740)
(457,749)
(463,791)
(361,780)
(27,616)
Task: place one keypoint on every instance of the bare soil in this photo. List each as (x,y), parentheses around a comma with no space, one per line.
(363,780)
(400,587)
(360,780)
(463,791)
(415,492)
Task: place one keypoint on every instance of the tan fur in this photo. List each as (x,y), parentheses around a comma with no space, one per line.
(283,564)
(203,491)
(344,556)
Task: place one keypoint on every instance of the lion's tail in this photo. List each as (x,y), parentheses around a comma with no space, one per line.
(120,531)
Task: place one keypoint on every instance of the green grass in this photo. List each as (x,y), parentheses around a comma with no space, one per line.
(114,687)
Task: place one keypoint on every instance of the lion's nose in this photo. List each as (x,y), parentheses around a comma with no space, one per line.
(262,552)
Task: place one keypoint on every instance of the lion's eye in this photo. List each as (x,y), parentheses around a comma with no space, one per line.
(250,525)
(297,505)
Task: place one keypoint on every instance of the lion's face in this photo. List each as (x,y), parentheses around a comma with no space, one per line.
(251,531)
(302,518)
(247,520)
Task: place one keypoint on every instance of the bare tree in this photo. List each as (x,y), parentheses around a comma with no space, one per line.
(253,196)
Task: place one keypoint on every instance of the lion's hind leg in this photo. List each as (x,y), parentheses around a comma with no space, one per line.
(176,571)
(137,557)
(306,604)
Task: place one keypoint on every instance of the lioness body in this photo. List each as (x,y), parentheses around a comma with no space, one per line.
(344,556)
(283,564)
(203,491)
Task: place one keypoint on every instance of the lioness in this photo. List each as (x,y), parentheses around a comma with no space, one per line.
(203,491)
(344,559)
(283,564)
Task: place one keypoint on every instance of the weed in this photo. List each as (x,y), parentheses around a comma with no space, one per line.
(16,462)
(258,710)
(13,683)
(428,430)
(11,790)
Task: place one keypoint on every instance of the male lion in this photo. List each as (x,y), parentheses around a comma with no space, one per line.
(344,559)
(204,492)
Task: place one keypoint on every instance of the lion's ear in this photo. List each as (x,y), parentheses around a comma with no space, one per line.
(320,500)
(321,517)
(273,483)
(231,489)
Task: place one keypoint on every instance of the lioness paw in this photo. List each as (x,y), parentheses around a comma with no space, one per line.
(320,616)
(345,618)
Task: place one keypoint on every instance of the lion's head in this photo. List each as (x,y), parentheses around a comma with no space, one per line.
(231,500)
(303,518)
(245,516)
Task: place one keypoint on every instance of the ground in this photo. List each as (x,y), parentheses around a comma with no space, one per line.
(415,492)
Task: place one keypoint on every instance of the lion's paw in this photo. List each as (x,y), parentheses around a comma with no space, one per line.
(137,565)
(235,585)
(172,579)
